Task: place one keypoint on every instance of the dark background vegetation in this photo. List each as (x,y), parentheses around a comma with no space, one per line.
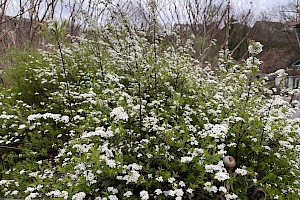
(206,20)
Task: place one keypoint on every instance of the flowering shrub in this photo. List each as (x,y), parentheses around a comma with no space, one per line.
(113,116)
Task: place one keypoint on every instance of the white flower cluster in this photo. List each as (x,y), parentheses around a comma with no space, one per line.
(133,166)
(83,148)
(131,177)
(210,188)
(128,194)
(255,48)
(99,131)
(252,62)
(133,174)
(171,179)
(90,177)
(119,114)
(186,159)
(144,195)
(231,196)
(5,116)
(216,131)
(221,174)
(32,195)
(111,163)
(47,173)
(223,189)
(286,144)
(280,73)
(55,117)
(79,196)
(112,190)
(159,179)
(151,123)
(176,192)
(57,194)
(158,192)
(242,172)
(212,168)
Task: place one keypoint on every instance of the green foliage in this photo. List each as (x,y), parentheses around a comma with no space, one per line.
(114,116)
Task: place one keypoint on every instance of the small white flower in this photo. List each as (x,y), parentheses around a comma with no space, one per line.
(231,196)
(159,179)
(181,183)
(221,176)
(32,196)
(242,172)
(172,193)
(22,126)
(58,194)
(280,73)
(186,159)
(119,114)
(112,197)
(65,119)
(171,180)
(190,190)
(79,196)
(112,190)
(29,189)
(158,191)
(222,189)
(133,177)
(109,189)
(3,182)
(111,163)
(179,192)
(128,194)
(255,47)
(286,144)
(212,168)
(38,187)
(144,195)
(210,188)
(64,194)
(15,192)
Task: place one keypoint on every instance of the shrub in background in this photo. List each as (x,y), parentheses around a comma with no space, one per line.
(122,118)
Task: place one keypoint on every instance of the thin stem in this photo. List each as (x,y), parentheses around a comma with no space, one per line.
(65,74)
(241,131)
(9,147)
(101,66)
(140,111)
(155,57)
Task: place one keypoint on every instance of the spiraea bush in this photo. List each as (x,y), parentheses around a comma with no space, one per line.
(114,116)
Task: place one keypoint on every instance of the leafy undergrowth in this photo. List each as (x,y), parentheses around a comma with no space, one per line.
(113,116)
